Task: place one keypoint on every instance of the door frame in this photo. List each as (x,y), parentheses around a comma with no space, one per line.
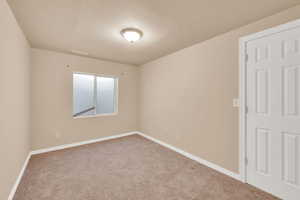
(243,89)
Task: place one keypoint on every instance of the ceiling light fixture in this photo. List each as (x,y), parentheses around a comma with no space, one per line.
(131,34)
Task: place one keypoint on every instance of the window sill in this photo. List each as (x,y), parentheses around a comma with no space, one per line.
(98,115)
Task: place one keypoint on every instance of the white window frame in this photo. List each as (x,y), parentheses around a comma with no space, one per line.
(116,94)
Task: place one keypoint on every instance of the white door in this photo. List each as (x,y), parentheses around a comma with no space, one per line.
(273,119)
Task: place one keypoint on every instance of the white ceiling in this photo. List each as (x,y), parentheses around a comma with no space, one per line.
(93,26)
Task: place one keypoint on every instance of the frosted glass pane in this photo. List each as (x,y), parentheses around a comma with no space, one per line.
(83,94)
(105,95)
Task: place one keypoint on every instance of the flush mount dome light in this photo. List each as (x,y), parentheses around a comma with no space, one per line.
(131,34)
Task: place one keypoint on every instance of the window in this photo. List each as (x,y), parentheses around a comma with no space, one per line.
(94,95)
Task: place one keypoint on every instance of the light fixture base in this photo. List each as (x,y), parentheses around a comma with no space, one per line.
(131,34)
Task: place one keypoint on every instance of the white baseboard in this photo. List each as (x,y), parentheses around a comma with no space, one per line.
(195,158)
(55,148)
(188,155)
(14,189)
(39,151)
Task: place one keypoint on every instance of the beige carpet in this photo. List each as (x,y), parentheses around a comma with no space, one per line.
(129,168)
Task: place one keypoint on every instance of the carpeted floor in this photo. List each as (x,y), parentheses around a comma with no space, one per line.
(129,168)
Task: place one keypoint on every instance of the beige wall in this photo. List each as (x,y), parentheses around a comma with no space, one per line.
(186,97)
(52,121)
(14,99)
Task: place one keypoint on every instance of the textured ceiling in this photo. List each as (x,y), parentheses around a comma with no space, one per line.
(93,26)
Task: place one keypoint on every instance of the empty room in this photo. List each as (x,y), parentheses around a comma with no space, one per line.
(149,100)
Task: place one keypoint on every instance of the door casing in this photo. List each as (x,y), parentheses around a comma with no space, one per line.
(243,92)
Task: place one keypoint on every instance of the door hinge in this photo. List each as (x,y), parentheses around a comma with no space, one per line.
(246,57)
(246,161)
(246,109)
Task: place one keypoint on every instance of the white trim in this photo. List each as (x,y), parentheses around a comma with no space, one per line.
(242,111)
(242,87)
(116,94)
(96,74)
(97,115)
(271,31)
(186,154)
(55,148)
(39,151)
(14,188)
(193,157)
